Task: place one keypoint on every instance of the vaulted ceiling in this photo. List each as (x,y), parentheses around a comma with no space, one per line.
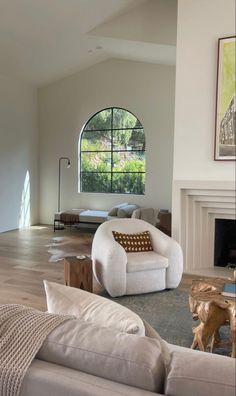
(44,40)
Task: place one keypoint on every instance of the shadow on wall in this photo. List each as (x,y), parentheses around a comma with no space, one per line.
(24,217)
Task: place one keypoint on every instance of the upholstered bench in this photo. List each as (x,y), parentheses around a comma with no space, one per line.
(97,217)
(77,216)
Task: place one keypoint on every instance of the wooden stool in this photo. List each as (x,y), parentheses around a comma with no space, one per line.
(165,222)
(78,272)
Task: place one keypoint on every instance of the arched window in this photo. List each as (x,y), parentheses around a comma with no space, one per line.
(112,153)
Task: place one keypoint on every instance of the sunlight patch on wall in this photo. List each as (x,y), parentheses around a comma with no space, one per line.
(24,220)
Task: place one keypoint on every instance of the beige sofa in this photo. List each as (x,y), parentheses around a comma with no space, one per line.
(186,372)
(104,349)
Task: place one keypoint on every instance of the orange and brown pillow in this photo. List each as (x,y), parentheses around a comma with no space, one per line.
(133,243)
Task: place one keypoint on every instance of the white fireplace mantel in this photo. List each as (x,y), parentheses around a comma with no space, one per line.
(195,206)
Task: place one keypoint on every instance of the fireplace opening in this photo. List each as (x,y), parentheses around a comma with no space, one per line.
(225,243)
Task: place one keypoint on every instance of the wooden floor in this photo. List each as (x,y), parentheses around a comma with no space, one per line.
(24,264)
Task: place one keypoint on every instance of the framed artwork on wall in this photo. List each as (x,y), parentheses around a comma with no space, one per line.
(225,122)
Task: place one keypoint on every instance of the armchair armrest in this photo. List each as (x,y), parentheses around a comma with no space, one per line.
(109,262)
(168,247)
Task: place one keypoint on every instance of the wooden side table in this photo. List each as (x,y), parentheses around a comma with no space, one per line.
(164,222)
(78,272)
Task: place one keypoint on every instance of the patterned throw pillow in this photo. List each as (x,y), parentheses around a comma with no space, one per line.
(134,243)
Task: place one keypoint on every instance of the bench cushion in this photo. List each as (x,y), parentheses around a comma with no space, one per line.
(93,216)
(82,215)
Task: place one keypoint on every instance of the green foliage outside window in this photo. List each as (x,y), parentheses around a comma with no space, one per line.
(112,153)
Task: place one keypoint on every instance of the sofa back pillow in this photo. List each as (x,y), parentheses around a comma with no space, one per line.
(92,308)
(126,211)
(106,353)
(165,352)
(134,243)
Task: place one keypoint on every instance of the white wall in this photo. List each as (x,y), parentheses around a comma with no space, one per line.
(147,90)
(152,22)
(200,24)
(18,150)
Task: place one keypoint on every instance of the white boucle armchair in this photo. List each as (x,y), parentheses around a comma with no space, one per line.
(122,273)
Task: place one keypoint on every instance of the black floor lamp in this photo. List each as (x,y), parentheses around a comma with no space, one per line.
(59,178)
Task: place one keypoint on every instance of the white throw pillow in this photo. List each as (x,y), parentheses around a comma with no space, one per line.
(126,211)
(92,308)
(113,211)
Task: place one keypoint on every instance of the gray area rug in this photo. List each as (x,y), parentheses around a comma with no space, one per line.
(168,312)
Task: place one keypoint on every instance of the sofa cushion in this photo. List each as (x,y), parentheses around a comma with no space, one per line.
(139,242)
(113,211)
(92,308)
(196,373)
(48,379)
(106,353)
(145,261)
(126,211)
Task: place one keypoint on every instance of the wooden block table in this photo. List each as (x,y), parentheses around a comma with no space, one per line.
(78,272)
(213,310)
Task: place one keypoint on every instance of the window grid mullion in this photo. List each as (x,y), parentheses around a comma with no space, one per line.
(138,172)
(115,151)
(114,129)
(80,164)
(112,150)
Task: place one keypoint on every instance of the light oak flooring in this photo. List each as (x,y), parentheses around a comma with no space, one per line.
(24,264)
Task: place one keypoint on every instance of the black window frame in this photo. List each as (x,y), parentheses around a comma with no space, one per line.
(112,151)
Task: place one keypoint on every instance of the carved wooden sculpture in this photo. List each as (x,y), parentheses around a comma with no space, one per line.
(213,310)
